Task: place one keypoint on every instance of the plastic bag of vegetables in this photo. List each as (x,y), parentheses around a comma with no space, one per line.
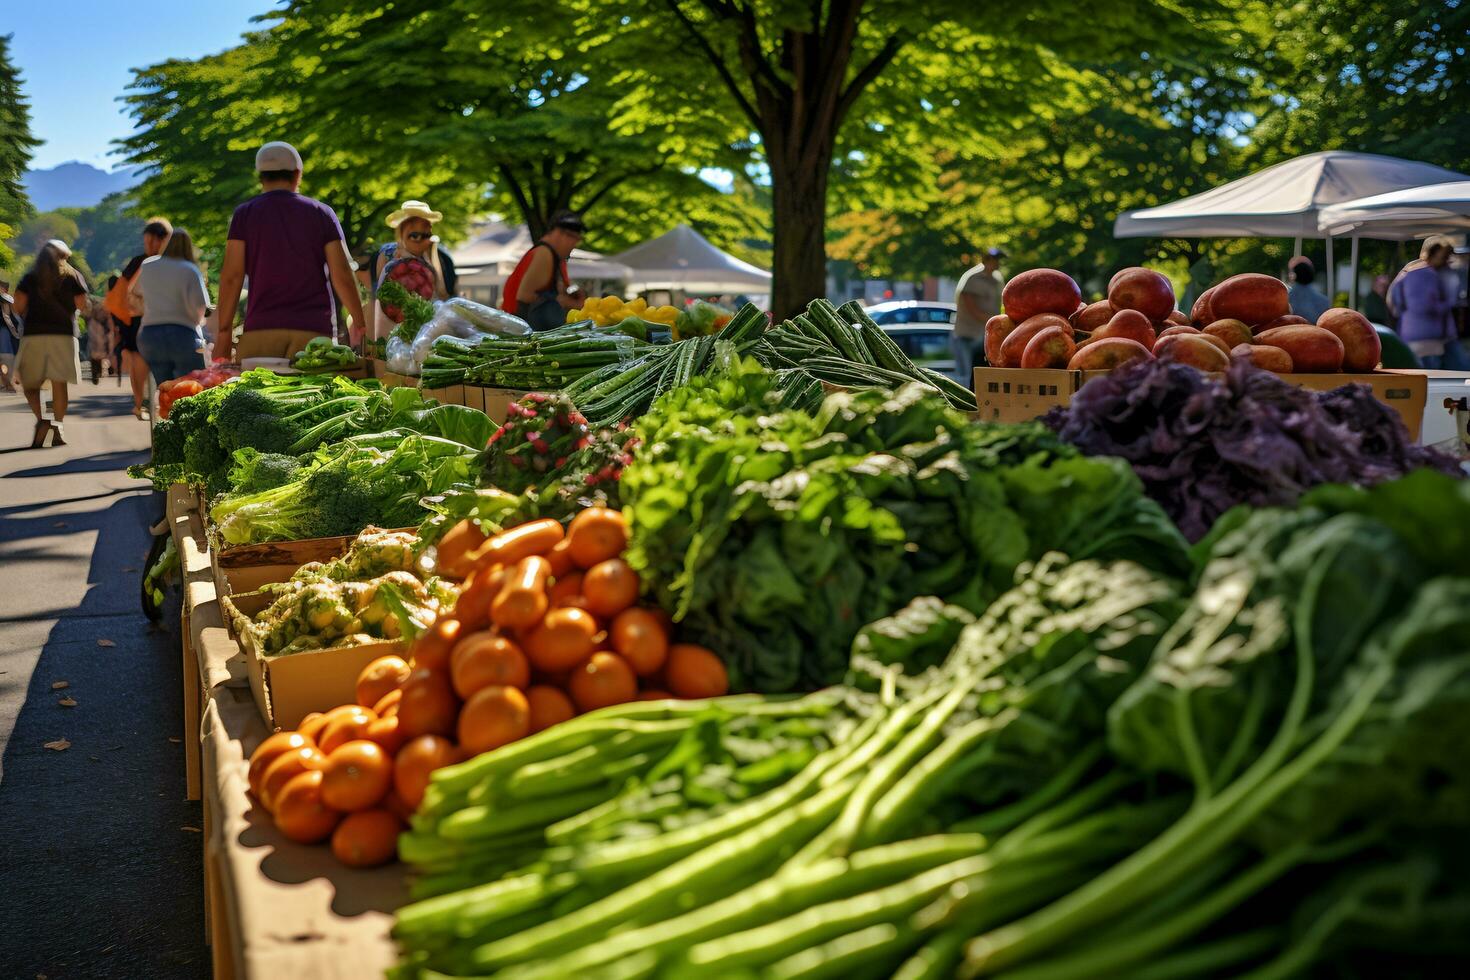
(487,318)
(414,275)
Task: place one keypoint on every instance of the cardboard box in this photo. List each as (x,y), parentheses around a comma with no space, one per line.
(391,379)
(288,688)
(494,401)
(1021,394)
(246,567)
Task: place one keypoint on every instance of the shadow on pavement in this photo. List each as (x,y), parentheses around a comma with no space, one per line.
(96,463)
(102,854)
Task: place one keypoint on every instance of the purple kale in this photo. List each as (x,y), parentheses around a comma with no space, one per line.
(1201,445)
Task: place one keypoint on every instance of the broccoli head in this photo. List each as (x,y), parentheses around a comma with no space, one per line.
(255,471)
(206,461)
(249,418)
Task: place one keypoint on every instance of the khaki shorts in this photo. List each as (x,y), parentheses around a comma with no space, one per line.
(46,357)
(273,343)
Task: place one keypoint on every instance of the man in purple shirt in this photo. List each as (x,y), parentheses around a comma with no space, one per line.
(291,248)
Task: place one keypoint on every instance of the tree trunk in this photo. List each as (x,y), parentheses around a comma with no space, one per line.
(799,231)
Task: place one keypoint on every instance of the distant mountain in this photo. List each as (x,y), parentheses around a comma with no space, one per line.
(75,185)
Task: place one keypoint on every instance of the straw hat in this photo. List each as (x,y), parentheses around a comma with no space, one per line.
(413,209)
(62,247)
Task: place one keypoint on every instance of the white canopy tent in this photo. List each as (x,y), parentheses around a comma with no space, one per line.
(488,259)
(681,259)
(1418,212)
(1284,201)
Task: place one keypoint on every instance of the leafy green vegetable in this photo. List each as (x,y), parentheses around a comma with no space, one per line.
(774,535)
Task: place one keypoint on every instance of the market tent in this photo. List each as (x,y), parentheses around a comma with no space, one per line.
(1402,215)
(1283,201)
(683,259)
(488,259)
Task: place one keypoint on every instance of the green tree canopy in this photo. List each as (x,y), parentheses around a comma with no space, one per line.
(16,145)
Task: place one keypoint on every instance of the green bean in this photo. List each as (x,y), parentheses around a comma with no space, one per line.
(481,822)
(854,954)
(936,959)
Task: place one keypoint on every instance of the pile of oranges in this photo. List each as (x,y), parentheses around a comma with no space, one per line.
(547,626)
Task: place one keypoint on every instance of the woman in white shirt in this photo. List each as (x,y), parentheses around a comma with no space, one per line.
(174,299)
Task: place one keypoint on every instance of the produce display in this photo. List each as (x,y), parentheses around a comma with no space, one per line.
(1201,444)
(1045,325)
(845,348)
(611,310)
(775,534)
(321,354)
(546,626)
(549,360)
(372,593)
(191,384)
(1255,771)
(701,319)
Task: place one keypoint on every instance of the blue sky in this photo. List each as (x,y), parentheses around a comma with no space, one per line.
(76,57)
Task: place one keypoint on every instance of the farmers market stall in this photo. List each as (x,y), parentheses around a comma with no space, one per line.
(757,653)
(488,258)
(683,262)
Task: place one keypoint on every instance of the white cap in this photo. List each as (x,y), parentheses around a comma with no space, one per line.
(60,246)
(277,156)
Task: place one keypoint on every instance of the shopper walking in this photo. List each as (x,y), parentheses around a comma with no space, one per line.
(9,337)
(1307,301)
(171,291)
(538,290)
(413,235)
(49,297)
(155,234)
(1424,306)
(976,300)
(292,250)
(1375,304)
(99,337)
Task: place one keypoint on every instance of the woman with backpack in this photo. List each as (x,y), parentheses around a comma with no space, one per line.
(48,299)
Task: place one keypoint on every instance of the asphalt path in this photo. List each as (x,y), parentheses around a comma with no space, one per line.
(100,854)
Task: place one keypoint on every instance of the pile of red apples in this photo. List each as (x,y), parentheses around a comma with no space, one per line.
(1046,325)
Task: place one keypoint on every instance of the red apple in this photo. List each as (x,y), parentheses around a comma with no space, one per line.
(997,328)
(1093,315)
(1198,351)
(1272,359)
(1052,347)
(1178,329)
(1130,324)
(1038,291)
(1107,353)
(1362,350)
(1014,345)
(1144,290)
(1250,298)
(1313,350)
(1178,318)
(1200,314)
(1233,332)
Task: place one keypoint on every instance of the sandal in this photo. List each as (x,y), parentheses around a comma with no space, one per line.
(39,438)
(57,435)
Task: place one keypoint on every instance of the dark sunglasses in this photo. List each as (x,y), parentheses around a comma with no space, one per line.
(418,236)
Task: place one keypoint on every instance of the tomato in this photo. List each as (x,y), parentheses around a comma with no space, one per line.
(357,776)
(345,728)
(385,732)
(493,717)
(640,638)
(367,838)
(610,587)
(287,766)
(379,678)
(428,705)
(415,761)
(431,649)
(485,659)
(388,706)
(695,672)
(313,727)
(549,706)
(565,638)
(301,814)
(566,588)
(272,749)
(597,534)
(604,680)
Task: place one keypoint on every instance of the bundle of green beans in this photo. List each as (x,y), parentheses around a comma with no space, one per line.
(630,843)
(546,361)
(844,347)
(616,392)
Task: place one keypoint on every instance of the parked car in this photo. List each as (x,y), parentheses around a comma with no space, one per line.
(922,330)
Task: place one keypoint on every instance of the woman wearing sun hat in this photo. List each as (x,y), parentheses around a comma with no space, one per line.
(413,235)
